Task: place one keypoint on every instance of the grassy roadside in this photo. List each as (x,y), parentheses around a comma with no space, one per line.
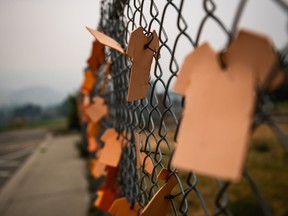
(267,162)
(48,123)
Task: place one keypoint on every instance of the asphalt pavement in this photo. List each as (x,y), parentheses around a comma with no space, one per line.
(15,147)
(50,181)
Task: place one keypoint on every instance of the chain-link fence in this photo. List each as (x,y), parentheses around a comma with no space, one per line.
(157,117)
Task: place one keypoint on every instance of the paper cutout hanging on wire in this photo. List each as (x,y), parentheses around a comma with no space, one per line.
(140,49)
(92,129)
(248,48)
(97,110)
(121,207)
(141,62)
(159,204)
(98,169)
(257,52)
(97,56)
(218,125)
(112,150)
(106,40)
(92,144)
(86,100)
(88,81)
(213,135)
(111,179)
(108,191)
(91,164)
(142,159)
(105,199)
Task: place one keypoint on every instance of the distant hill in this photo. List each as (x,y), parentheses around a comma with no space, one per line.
(43,96)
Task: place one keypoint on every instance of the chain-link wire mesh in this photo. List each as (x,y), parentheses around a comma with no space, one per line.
(157,117)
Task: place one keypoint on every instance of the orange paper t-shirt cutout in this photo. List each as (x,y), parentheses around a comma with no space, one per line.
(141,62)
(215,128)
(111,178)
(248,48)
(106,40)
(92,129)
(97,56)
(159,204)
(105,199)
(98,169)
(88,82)
(96,110)
(112,149)
(140,49)
(92,144)
(121,207)
(256,51)
(108,190)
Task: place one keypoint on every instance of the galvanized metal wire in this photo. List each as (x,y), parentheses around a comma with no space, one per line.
(158,116)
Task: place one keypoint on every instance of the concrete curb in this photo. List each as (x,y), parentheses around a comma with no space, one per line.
(11,187)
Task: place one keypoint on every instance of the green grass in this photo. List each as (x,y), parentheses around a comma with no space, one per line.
(61,122)
(48,123)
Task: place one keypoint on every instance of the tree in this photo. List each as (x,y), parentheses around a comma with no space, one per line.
(72,113)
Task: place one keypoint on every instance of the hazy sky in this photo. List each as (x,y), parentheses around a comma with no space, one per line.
(45,42)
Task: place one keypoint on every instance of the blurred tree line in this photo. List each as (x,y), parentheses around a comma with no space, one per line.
(72,113)
(25,115)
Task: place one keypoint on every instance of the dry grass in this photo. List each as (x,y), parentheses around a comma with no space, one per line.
(267,162)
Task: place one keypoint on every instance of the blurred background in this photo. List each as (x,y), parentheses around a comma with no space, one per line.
(44,46)
(43,49)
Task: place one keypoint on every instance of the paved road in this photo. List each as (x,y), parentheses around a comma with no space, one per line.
(15,147)
(51,182)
